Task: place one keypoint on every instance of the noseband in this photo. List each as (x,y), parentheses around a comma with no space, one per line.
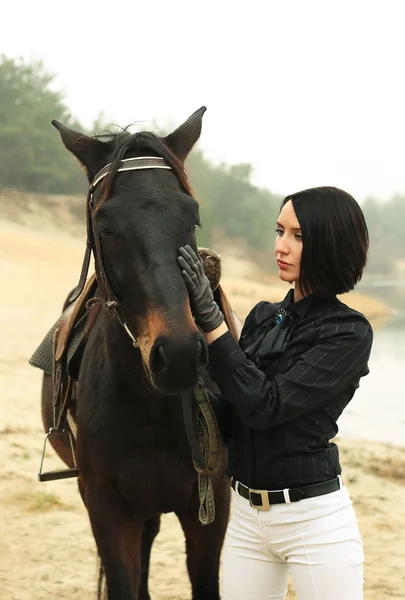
(93,243)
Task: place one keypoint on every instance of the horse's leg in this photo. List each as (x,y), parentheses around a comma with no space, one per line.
(118,536)
(150,531)
(203,545)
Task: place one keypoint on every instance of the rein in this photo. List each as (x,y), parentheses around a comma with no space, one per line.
(199,419)
(205,442)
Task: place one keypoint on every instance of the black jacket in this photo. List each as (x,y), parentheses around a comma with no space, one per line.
(284,386)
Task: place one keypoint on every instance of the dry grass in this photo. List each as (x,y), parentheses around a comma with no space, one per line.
(243,295)
(44,211)
(14,429)
(387,462)
(370,307)
(38,502)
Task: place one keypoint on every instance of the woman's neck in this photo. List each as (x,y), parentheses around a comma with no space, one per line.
(298,295)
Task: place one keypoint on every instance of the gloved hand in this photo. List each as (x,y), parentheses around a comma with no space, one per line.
(203,305)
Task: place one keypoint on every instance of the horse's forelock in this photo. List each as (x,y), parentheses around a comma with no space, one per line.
(141,143)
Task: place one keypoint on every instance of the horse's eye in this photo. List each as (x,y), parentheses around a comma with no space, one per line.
(108,234)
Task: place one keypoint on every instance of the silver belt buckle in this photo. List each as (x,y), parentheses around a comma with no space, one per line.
(265,505)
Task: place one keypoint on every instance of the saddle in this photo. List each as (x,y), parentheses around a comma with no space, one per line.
(71,316)
(212,269)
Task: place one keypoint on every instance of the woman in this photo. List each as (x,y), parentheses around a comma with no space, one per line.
(296,367)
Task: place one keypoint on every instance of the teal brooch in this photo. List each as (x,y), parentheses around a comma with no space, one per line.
(279,316)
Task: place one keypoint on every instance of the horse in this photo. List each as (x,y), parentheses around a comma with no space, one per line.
(142,351)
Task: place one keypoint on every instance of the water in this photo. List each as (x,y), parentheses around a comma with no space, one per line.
(377,411)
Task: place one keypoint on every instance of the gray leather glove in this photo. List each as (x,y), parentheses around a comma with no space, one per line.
(203,305)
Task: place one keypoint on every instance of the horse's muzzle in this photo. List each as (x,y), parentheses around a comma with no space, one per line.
(175,361)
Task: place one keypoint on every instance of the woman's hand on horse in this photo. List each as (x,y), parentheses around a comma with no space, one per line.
(203,305)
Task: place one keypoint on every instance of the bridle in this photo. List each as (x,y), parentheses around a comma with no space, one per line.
(199,419)
(93,242)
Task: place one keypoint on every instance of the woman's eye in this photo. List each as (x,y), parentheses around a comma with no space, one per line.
(279,231)
(298,237)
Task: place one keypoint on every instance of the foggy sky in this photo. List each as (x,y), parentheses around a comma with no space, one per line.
(309,92)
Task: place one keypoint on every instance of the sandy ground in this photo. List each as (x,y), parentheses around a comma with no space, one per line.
(46,546)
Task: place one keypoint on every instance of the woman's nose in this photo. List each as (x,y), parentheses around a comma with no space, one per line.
(282,246)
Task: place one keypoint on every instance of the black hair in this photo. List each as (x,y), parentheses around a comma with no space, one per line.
(335,240)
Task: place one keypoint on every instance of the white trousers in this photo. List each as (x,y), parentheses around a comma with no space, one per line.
(317,540)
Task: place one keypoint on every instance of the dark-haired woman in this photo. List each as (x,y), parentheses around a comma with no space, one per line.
(295,369)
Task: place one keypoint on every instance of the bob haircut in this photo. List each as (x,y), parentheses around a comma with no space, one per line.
(335,240)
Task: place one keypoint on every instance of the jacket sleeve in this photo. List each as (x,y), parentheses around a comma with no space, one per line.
(335,361)
(223,414)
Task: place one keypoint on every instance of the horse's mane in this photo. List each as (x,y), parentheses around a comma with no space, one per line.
(141,143)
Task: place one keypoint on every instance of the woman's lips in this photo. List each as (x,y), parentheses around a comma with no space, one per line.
(282,264)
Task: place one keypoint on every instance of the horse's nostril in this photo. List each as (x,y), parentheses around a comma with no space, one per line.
(157,360)
(178,358)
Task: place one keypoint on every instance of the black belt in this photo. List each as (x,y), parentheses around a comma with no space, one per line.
(263,499)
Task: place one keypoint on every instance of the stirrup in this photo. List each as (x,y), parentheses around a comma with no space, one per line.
(63,473)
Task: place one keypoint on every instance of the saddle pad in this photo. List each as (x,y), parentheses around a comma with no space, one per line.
(42,357)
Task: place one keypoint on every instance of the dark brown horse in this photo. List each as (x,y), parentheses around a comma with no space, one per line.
(133,455)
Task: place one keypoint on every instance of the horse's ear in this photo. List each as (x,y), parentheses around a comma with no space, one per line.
(182,140)
(89,151)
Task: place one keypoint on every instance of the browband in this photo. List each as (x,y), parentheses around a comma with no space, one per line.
(131,164)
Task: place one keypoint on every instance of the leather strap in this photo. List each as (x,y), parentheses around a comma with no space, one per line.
(260,498)
(132,164)
(204,439)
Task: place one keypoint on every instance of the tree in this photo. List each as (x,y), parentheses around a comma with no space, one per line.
(385,223)
(31,154)
(231,204)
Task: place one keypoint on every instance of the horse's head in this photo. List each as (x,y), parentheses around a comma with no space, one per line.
(138,219)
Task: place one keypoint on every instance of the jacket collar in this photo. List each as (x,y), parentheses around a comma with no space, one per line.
(303,306)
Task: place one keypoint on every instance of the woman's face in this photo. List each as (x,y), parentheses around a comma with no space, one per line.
(288,244)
